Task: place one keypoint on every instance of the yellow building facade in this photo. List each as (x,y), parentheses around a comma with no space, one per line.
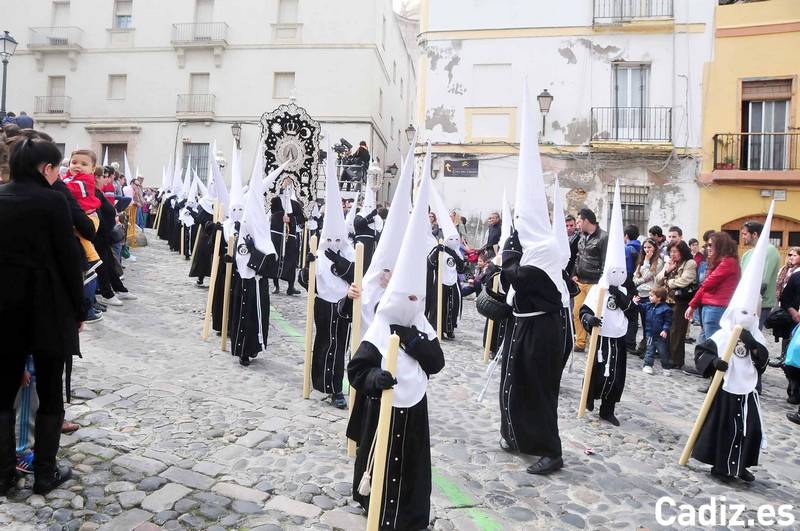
(751,114)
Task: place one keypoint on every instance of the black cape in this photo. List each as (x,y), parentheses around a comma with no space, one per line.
(608,388)
(726,441)
(407,491)
(203,254)
(288,259)
(532,361)
(451,295)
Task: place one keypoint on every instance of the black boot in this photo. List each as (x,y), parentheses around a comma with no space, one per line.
(47,473)
(8,456)
(607,412)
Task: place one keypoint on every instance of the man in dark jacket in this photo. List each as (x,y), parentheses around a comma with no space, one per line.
(495,225)
(588,266)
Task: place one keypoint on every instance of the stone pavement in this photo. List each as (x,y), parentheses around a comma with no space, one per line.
(177,435)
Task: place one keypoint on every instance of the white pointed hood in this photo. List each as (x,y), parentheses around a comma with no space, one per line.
(165,179)
(350,219)
(408,279)
(615,270)
(531,219)
(105,158)
(368,206)
(559,226)
(177,180)
(127,168)
(506,228)
(236,196)
(216,183)
(743,309)
(255,221)
(333,236)
(388,249)
(449,231)
(187,181)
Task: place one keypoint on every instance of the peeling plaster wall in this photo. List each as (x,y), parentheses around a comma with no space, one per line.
(673,193)
(577,71)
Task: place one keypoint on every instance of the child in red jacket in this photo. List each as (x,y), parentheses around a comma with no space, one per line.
(81,183)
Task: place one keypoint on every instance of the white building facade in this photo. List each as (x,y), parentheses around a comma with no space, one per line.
(151,77)
(626,81)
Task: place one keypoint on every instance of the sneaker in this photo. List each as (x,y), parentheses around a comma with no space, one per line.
(131,258)
(113,301)
(667,372)
(647,369)
(25,462)
(127,296)
(88,277)
(100,307)
(93,318)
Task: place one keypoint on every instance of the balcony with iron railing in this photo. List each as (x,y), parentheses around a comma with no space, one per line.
(757,157)
(195,106)
(200,34)
(616,12)
(51,108)
(55,38)
(650,125)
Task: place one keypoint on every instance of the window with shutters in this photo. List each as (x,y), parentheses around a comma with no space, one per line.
(635,204)
(123,14)
(198,154)
(765,115)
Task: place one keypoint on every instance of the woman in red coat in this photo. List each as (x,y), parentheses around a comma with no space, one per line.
(717,289)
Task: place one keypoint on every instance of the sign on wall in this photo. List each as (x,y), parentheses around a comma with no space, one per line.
(461,168)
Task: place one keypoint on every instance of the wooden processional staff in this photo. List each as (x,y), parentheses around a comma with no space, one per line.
(710,395)
(212,281)
(592,351)
(312,287)
(355,335)
(382,441)
(226,296)
(490,322)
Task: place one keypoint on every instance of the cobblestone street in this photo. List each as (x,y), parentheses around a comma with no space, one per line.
(175,434)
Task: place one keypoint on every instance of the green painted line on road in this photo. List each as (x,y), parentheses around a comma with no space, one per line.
(290,330)
(459,498)
(285,326)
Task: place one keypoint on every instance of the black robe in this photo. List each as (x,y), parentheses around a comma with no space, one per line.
(407,487)
(203,254)
(331,341)
(532,361)
(219,287)
(287,263)
(451,295)
(250,307)
(166,221)
(725,440)
(608,388)
(366,235)
(174,230)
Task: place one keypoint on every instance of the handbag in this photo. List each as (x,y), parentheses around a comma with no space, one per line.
(491,306)
(780,322)
(793,351)
(685,294)
(118,233)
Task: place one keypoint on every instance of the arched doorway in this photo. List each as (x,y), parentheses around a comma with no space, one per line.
(784,233)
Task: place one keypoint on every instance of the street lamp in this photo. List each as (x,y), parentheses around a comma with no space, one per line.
(545,100)
(410,132)
(7,48)
(236,129)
